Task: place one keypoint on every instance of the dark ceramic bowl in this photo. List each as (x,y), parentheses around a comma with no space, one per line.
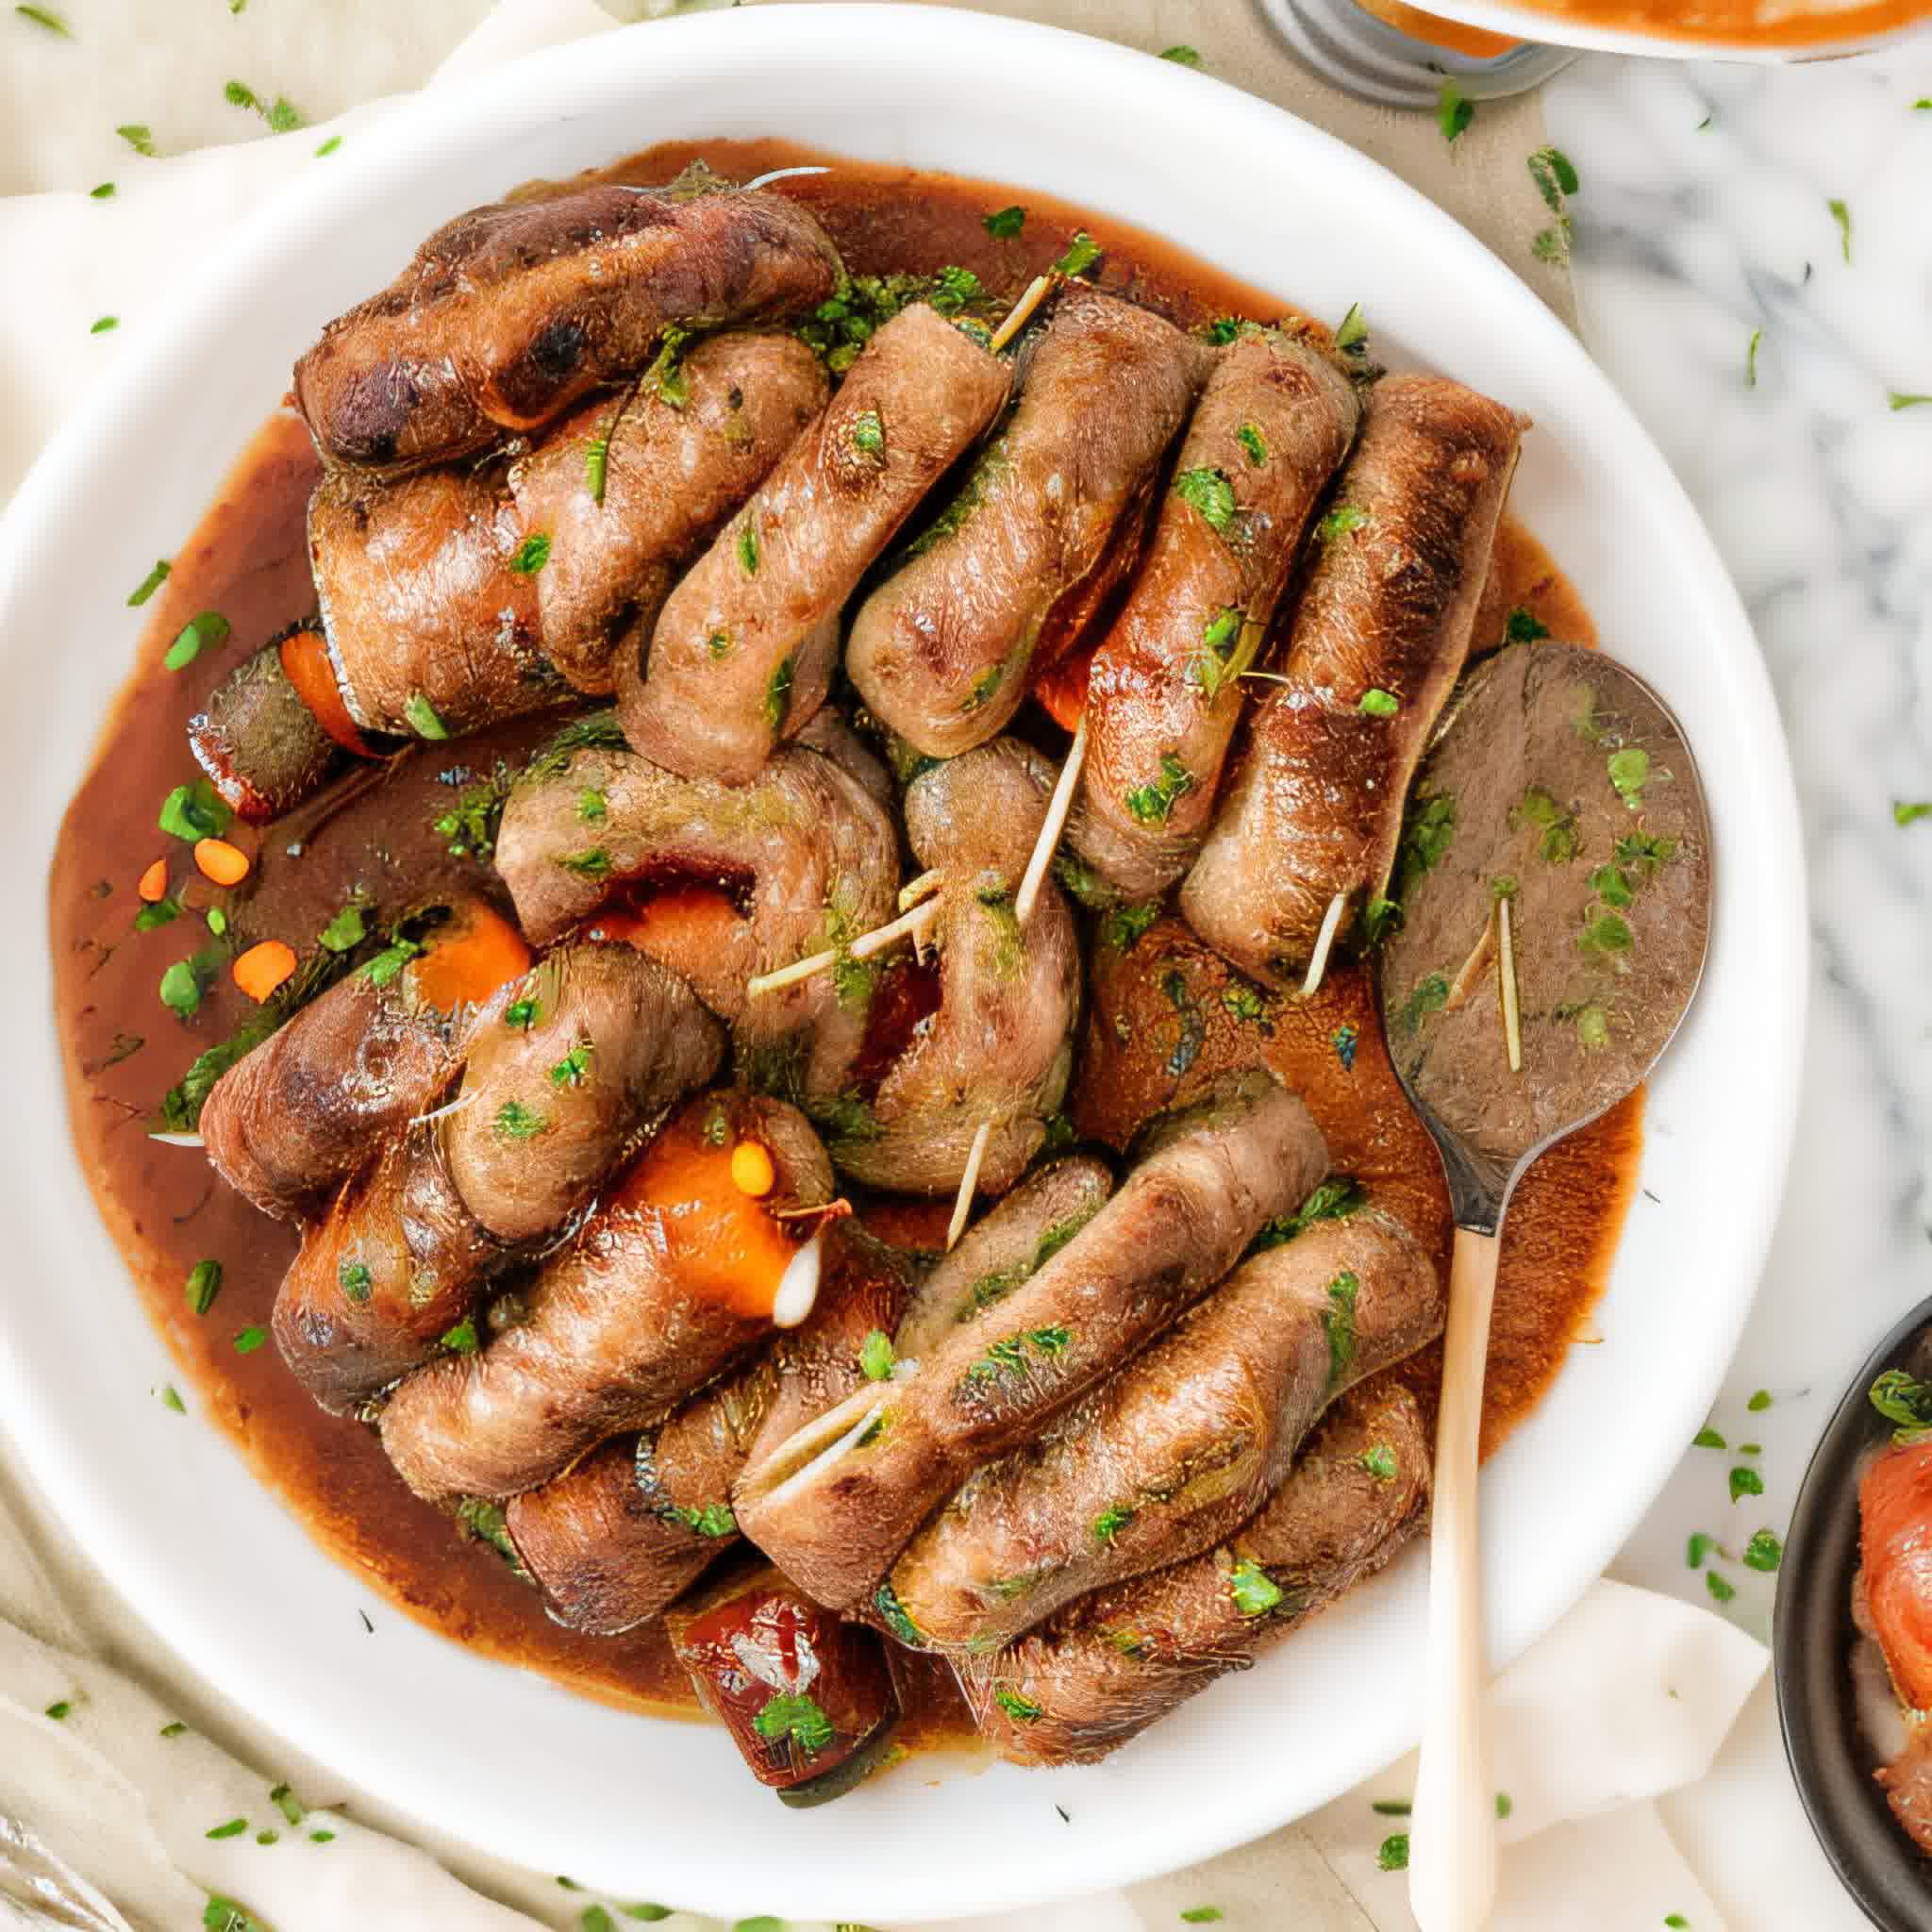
(1812,1641)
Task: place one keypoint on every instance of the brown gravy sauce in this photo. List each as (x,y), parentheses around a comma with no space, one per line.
(123,1049)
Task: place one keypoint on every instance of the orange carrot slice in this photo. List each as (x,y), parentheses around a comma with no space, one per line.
(226,864)
(306,665)
(691,919)
(154,883)
(261,969)
(468,959)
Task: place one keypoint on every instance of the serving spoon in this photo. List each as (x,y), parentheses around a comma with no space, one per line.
(1555,886)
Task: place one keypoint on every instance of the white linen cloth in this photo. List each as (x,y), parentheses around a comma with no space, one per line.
(102,1817)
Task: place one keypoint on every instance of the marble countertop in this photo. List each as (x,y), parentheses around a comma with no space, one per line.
(1705,218)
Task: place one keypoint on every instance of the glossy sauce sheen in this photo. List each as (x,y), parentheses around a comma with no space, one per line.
(248,560)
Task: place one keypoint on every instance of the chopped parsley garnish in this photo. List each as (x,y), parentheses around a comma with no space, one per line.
(521,1014)
(1254,444)
(1910,811)
(1759,1401)
(203,1284)
(1610,883)
(138,136)
(63,1708)
(1183,57)
(647,1912)
(516,1121)
(1200,1915)
(104,192)
(984,686)
(1454,110)
(102,323)
(593,864)
(1504,1804)
(1380,917)
(1111,1520)
(1900,1399)
(1352,336)
(173,1729)
(1393,1854)
(1210,666)
(714,1520)
(1431,995)
(1592,1026)
(875,1356)
(777,705)
(1243,1002)
(1336,1199)
(1337,1323)
(1764,1551)
(355,1280)
(183,984)
(718,643)
(1708,1437)
(1558,827)
(1380,1462)
(1345,1040)
(233,1829)
(867,433)
(597,464)
(1906,399)
(171,1398)
(1380,704)
(162,912)
(1153,804)
(747,547)
(422,718)
(954,287)
(1697,1548)
(1391,1808)
(346,931)
(1721,1591)
(894,1613)
(1605,934)
(193,812)
(46,17)
(327,147)
(1209,491)
(1842,216)
(1339,521)
(1556,182)
(384,966)
(1005,222)
(250,1340)
(1022,1711)
(1645,854)
(1751,359)
(1525,627)
(1083,251)
(1009,1356)
(1745,1481)
(533,552)
(280,114)
(1629,771)
(151,583)
(796,1718)
(573,1068)
(288,1804)
(592,807)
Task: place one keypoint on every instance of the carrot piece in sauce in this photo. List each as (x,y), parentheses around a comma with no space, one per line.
(153,888)
(469,960)
(226,864)
(262,968)
(306,665)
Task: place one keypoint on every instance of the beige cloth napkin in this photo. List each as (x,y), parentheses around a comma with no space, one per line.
(103,1818)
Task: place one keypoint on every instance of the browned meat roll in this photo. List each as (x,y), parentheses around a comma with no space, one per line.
(808,1701)
(633,486)
(615,1538)
(671,1279)
(275,730)
(1164,694)
(997,1049)
(1182,1446)
(834,1504)
(428,601)
(1314,814)
(939,651)
(1115,1662)
(562,1068)
(719,884)
(1005,1247)
(743,654)
(290,1119)
(510,312)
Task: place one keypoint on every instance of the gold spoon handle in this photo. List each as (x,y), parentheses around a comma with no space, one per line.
(1452,1860)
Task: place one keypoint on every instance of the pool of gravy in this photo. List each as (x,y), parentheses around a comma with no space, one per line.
(123,1049)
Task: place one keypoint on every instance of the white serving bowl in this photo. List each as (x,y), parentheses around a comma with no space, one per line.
(643,1808)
